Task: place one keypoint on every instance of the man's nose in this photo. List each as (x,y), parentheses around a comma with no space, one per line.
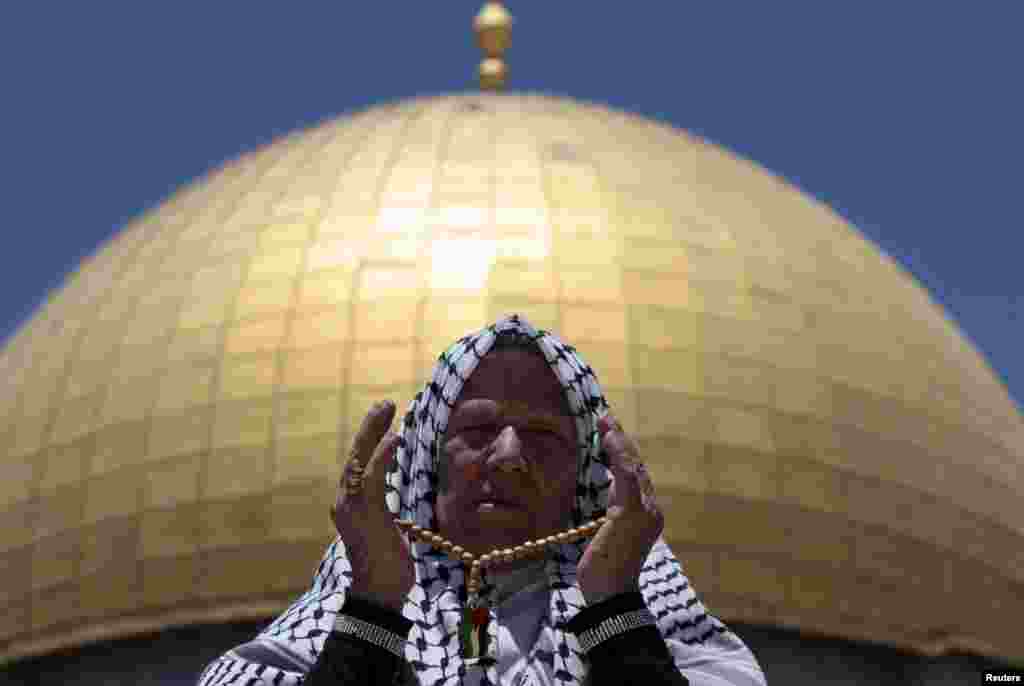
(507,455)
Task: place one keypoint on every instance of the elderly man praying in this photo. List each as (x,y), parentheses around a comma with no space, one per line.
(506,532)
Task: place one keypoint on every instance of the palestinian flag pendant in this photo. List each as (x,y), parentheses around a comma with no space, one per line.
(473,632)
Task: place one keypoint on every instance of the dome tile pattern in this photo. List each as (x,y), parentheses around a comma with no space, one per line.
(831,452)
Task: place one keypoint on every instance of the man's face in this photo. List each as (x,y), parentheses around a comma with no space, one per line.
(511,413)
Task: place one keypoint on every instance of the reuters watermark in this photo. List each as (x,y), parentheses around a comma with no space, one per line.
(1002,677)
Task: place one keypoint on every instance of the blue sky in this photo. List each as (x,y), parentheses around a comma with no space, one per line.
(906,118)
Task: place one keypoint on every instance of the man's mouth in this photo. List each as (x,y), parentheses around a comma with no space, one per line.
(495,503)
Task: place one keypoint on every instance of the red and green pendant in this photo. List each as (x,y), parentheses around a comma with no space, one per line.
(473,632)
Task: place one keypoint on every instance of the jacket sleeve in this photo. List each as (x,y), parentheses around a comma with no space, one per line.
(637,657)
(347,660)
(643,656)
(343,659)
(300,646)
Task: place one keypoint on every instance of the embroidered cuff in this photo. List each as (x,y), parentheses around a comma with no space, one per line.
(371,612)
(374,624)
(371,633)
(592,615)
(617,615)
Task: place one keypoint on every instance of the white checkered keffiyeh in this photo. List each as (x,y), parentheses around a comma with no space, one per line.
(702,646)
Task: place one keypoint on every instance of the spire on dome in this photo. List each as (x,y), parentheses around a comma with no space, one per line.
(493,26)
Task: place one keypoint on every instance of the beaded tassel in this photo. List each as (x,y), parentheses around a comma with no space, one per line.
(476,614)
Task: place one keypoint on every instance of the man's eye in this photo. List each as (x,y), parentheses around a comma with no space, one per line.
(521,429)
(482,432)
(475,431)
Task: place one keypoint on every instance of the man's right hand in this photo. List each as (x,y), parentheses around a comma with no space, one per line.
(372,540)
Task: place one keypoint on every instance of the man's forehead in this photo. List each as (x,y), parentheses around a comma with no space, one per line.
(525,403)
(510,409)
(507,407)
(518,361)
(519,376)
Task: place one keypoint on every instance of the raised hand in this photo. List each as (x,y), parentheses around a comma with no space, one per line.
(382,568)
(612,561)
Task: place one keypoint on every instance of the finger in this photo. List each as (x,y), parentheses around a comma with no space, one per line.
(351,472)
(375,425)
(616,544)
(375,473)
(646,484)
(631,456)
(405,542)
(610,430)
(623,460)
(627,484)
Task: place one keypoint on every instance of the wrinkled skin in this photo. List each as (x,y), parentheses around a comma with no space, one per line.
(490,427)
(509,475)
(489,435)
(362,519)
(613,559)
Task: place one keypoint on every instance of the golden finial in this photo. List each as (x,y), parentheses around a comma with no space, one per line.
(493,26)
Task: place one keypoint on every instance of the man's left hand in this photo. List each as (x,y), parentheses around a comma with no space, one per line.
(612,561)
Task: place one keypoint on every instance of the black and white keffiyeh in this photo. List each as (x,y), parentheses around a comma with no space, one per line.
(703,647)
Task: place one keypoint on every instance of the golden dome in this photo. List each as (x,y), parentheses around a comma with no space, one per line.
(832,454)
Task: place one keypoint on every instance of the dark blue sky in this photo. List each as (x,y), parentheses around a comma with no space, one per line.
(904,117)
